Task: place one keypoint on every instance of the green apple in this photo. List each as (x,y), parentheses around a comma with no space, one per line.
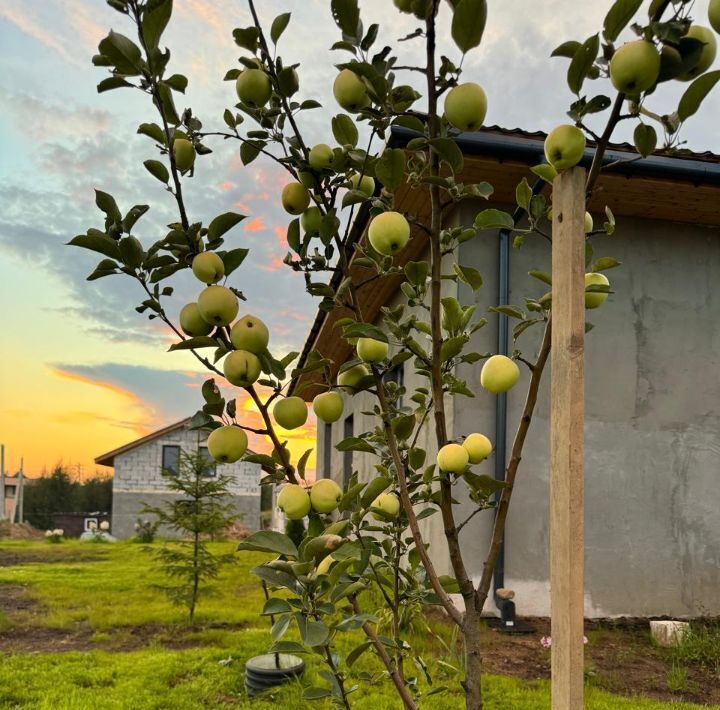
(295,198)
(709,51)
(350,91)
(564,146)
(478,446)
(311,220)
(365,184)
(325,495)
(671,63)
(184,154)
(218,305)
(499,374)
(191,322)
(635,67)
(714,15)
(371,350)
(452,458)
(349,380)
(595,299)
(389,233)
(290,412)
(645,139)
(466,106)
(241,368)
(253,87)
(389,504)
(227,444)
(294,501)
(208,267)
(250,334)
(320,157)
(328,406)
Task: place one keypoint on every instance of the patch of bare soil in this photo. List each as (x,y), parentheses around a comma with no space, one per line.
(619,658)
(19,531)
(52,555)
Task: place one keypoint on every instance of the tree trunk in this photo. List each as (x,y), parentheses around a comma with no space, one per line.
(473,656)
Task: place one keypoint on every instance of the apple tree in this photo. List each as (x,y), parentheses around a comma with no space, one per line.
(377,542)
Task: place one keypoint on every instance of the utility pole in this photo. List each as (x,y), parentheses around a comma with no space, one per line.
(20,492)
(2,481)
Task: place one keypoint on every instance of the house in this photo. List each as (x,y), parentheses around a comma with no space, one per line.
(138,476)
(11,497)
(652,367)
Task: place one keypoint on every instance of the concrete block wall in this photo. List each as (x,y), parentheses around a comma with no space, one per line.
(138,479)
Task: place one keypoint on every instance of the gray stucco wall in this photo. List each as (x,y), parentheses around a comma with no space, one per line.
(652,422)
(652,427)
(138,479)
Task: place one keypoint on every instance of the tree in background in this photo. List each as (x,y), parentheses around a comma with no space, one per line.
(58,492)
(380,543)
(201,510)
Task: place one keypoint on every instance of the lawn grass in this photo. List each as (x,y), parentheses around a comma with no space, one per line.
(108,596)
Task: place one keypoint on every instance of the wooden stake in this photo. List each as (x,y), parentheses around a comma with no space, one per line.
(567,415)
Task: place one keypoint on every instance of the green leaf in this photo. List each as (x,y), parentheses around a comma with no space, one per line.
(316,693)
(523,194)
(354,443)
(278,26)
(344,130)
(377,486)
(223,223)
(452,347)
(582,62)
(605,263)
(512,311)
(417,272)
(97,241)
(364,330)
(177,82)
(275,605)
(106,203)
(157,170)
(133,215)
(545,171)
(494,219)
(249,150)
(645,139)
(346,15)
(233,258)
(153,131)
(541,276)
(106,267)
(357,652)
(112,82)
(269,541)
(467,274)
(124,54)
(449,151)
(131,251)
(247,38)
(618,17)
(154,21)
(275,577)
(468,23)
(199,341)
(312,633)
(566,49)
(390,168)
(696,93)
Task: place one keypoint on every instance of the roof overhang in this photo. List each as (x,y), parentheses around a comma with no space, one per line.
(680,187)
(108,459)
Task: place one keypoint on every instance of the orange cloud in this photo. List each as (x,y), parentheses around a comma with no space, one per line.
(281,234)
(254,225)
(227,185)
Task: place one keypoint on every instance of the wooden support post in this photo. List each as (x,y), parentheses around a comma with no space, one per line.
(567,416)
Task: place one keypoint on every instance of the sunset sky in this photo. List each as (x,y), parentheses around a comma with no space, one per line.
(81,371)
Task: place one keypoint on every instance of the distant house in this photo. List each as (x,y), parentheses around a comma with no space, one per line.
(76,523)
(11,496)
(138,475)
(652,415)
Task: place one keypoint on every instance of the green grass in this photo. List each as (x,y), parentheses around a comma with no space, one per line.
(111,595)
